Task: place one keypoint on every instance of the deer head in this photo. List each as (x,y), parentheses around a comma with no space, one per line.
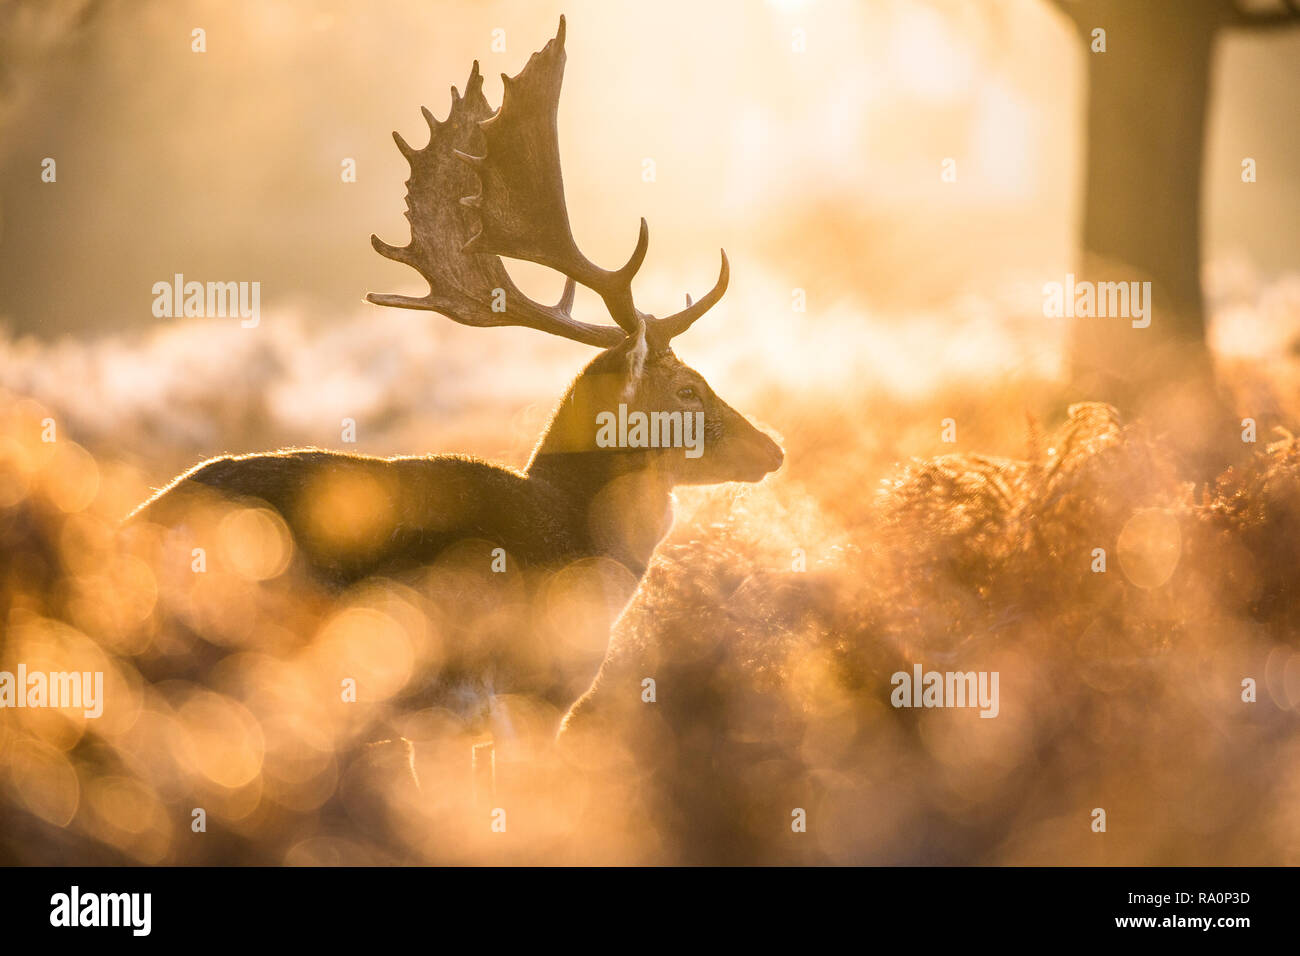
(487,185)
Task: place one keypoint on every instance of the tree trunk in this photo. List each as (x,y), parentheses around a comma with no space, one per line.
(1147,102)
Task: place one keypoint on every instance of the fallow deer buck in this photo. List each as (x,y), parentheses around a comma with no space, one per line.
(487,185)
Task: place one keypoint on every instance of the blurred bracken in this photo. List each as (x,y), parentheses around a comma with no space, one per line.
(1120,689)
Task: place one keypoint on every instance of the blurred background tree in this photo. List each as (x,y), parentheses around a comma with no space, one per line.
(1150,68)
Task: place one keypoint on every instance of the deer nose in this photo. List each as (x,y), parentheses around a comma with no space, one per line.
(766,454)
(775,455)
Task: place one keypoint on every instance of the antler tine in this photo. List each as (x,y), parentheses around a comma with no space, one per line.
(660,331)
(468,287)
(526,313)
(521,204)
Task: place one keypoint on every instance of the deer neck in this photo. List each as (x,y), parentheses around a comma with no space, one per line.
(619,501)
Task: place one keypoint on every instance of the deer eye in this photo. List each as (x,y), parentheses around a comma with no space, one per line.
(686,394)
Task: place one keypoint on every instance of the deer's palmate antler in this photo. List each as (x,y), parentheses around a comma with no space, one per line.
(489,185)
